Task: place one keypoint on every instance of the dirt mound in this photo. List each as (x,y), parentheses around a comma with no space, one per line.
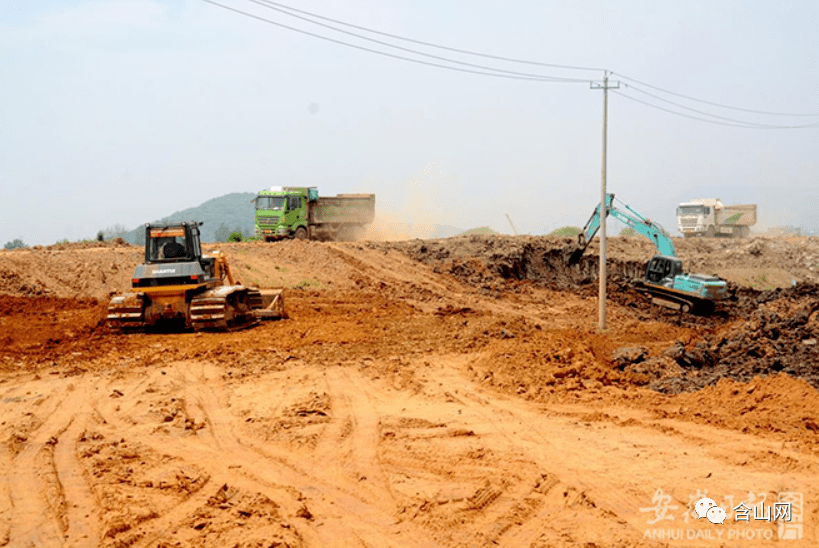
(423,393)
(781,334)
(71,271)
(49,326)
(778,404)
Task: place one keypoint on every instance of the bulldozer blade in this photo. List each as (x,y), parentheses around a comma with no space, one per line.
(271,305)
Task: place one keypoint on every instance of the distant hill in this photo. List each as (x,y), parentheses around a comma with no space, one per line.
(479,230)
(565,231)
(234,210)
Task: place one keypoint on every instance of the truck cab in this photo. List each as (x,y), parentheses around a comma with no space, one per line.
(299,212)
(282,212)
(696,218)
(710,217)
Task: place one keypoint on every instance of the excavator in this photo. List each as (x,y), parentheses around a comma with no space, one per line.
(665,282)
(179,288)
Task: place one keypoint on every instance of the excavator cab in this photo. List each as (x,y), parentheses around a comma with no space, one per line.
(661,270)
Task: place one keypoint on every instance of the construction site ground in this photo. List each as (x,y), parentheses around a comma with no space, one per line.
(451,393)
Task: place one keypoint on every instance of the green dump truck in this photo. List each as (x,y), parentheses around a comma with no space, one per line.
(299,212)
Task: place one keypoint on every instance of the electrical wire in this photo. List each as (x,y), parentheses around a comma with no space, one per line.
(484,70)
(433,45)
(765,112)
(529,62)
(746,125)
(631,87)
(394,56)
(267,5)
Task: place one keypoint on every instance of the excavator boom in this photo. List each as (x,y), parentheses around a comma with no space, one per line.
(665,281)
(651,230)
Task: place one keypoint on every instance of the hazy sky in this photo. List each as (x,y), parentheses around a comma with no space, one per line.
(125,111)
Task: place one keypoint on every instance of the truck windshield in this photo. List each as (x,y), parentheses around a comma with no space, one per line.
(691,210)
(270,202)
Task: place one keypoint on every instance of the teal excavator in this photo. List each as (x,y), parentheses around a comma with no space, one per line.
(665,282)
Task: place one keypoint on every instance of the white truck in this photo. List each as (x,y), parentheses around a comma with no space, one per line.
(710,217)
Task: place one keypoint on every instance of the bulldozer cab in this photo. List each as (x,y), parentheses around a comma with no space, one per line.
(661,270)
(172,243)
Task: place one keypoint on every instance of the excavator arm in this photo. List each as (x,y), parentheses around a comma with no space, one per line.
(630,217)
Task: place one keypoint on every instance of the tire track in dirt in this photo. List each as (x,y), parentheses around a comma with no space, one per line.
(616,500)
(81,508)
(6,501)
(38,498)
(429,431)
(150,531)
(330,498)
(522,431)
(360,421)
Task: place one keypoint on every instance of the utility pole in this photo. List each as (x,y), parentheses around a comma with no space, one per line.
(603,211)
(515,230)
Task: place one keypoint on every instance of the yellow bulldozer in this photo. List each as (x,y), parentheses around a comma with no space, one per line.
(179,288)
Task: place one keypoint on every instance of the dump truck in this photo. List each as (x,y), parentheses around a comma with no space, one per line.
(299,212)
(710,217)
(665,282)
(179,288)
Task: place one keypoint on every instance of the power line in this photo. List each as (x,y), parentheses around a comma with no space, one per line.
(283,7)
(484,70)
(265,4)
(746,125)
(432,45)
(631,87)
(385,54)
(765,112)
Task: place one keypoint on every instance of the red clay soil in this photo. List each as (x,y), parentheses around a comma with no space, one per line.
(424,393)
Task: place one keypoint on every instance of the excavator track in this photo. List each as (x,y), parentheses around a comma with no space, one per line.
(126,312)
(675,300)
(226,308)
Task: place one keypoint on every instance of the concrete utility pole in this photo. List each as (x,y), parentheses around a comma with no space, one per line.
(603,211)
(515,230)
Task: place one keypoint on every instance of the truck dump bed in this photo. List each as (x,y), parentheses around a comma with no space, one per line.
(343,208)
(739,215)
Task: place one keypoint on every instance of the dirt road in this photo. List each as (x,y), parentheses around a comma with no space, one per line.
(411,400)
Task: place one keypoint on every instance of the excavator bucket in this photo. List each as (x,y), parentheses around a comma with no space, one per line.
(574,258)
(268,304)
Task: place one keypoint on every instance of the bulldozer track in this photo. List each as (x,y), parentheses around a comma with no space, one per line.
(125,312)
(227,308)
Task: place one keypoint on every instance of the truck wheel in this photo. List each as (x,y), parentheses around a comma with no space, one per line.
(685,308)
(709,233)
(301,233)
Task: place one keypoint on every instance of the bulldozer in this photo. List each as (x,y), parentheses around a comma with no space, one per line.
(179,288)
